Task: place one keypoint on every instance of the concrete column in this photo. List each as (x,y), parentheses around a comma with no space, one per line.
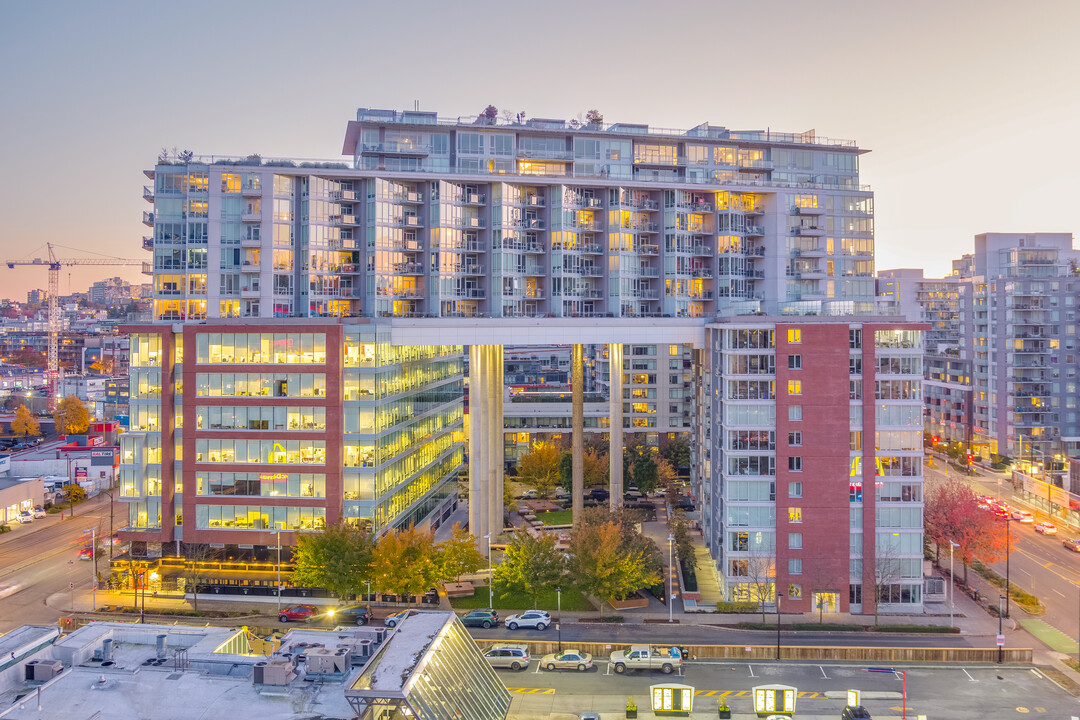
(478,458)
(577,447)
(615,432)
(496,438)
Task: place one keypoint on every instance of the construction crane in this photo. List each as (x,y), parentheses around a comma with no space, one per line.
(52,373)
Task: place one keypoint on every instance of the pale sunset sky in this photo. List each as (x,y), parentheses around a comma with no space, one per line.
(969,108)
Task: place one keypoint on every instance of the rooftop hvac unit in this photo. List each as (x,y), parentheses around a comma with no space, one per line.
(277,671)
(41,670)
(326,661)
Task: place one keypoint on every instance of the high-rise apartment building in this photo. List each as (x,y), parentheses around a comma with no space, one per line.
(1002,371)
(439,233)
(810,434)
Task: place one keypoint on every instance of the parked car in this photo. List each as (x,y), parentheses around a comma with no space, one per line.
(599,494)
(1046,528)
(561,492)
(514,657)
(528,495)
(297,613)
(26,517)
(1023,516)
(856,712)
(85,554)
(1072,544)
(394,618)
(567,660)
(538,619)
(39,512)
(355,614)
(481,618)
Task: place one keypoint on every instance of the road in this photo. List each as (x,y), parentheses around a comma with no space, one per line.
(957,693)
(40,558)
(1038,563)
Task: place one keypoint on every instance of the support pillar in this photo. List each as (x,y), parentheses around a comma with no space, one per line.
(478,457)
(486,443)
(615,430)
(577,447)
(497,439)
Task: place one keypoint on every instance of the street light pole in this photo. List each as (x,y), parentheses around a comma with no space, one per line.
(952,584)
(558,618)
(110,527)
(491,583)
(778,596)
(1001,648)
(93,556)
(1008,551)
(277,537)
(671,583)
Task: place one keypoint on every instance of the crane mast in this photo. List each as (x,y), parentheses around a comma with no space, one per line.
(52,371)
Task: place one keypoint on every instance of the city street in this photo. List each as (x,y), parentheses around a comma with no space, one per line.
(39,559)
(957,693)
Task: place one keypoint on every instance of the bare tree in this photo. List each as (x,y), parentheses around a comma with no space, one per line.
(887,573)
(761,575)
(196,569)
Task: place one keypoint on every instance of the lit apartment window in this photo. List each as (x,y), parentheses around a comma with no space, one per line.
(794,514)
(794,362)
(794,387)
(794,336)
(794,413)
(794,566)
(794,439)
(794,464)
(794,591)
(794,541)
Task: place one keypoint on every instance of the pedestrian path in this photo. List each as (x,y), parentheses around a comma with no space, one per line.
(708,586)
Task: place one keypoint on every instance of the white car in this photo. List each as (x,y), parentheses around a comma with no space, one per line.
(528,495)
(1023,516)
(6,590)
(1046,528)
(26,517)
(538,619)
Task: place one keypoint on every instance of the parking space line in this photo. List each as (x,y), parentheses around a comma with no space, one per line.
(822,672)
(969,675)
(751,670)
(537,670)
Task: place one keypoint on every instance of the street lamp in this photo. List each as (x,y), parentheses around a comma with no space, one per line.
(276,532)
(93,571)
(368,596)
(110,527)
(558,618)
(952,583)
(1008,550)
(491,584)
(1001,648)
(671,585)
(778,596)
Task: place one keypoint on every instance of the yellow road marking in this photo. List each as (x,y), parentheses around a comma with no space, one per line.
(531,691)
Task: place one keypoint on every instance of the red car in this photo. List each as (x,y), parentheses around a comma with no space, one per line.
(85,554)
(297,612)
(1072,544)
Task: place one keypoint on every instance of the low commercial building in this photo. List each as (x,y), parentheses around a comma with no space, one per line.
(18,495)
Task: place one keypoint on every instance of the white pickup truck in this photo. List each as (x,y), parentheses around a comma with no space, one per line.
(646,657)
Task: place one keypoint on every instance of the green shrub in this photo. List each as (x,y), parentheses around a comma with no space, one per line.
(736,607)
(756,625)
(916,628)
(1021,597)
(830,627)
(5,528)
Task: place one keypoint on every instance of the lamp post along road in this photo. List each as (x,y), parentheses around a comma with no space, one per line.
(778,596)
(1001,648)
(277,538)
(491,583)
(1008,551)
(952,583)
(93,571)
(558,617)
(671,580)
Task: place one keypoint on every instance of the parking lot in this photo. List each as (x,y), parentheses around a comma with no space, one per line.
(956,693)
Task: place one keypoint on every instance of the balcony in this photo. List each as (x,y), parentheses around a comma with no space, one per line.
(410,198)
(586,225)
(148,218)
(250,242)
(664,161)
(755,166)
(644,227)
(395,148)
(407,246)
(589,249)
(343,196)
(343,220)
(147,268)
(809,231)
(797,210)
(702,251)
(250,267)
(250,189)
(578,201)
(409,268)
(534,201)
(469,199)
(147,242)
(644,249)
(559,155)
(251,217)
(696,207)
(250,293)
(528,224)
(700,272)
(148,194)
(466,269)
(757,230)
(469,223)
(703,295)
(407,221)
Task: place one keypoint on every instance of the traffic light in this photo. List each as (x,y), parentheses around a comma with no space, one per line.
(970,458)
(935,440)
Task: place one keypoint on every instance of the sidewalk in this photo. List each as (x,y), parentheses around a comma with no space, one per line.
(18,530)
